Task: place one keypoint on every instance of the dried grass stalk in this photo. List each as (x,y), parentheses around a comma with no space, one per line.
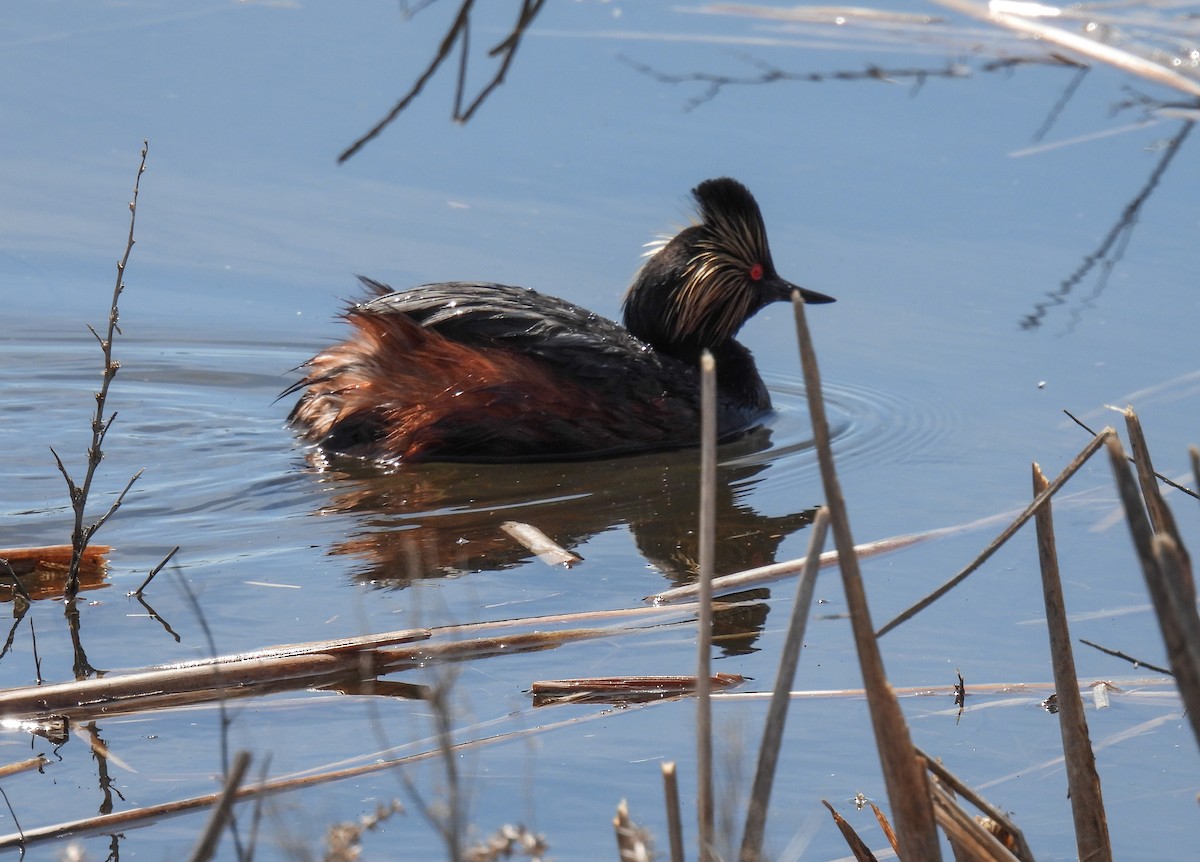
(1083,782)
(906,783)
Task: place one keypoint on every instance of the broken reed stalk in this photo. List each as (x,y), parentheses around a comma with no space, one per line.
(1007,533)
(138,592)
(674,820)
(968,838)
(1161,519)
(81,534)
(707,534)
(631,841)
(1083,782)
(1167,580)
(206,847)
(772,737)
(907,786)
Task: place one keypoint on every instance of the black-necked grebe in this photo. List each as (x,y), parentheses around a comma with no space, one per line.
(489,372)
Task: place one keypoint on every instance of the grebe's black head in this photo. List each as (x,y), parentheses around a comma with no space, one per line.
(702,285)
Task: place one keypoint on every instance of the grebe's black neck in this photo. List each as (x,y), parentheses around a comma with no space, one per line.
(704,283)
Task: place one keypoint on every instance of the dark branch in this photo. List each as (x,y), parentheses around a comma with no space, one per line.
(459,31)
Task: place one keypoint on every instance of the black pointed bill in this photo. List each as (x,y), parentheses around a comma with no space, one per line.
(783,292)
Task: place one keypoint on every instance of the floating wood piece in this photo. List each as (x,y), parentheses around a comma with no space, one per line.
(43,570)
(548,551)
(624,689)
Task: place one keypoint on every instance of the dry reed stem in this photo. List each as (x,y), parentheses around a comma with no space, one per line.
(862,853)
(772,736)
(206,847)
(1194,454)
(23,766)
(624,689)
(1166,480)
(1161,519)
(1185,658)
(674,820)
(738,581)
(318,663)
(951,783)
(631,841)
(905,779)
(1089,48)
(886,826)
(707,535)
(1169,584)
(965,834)
(240,677)
(1007,533)
(1083,782)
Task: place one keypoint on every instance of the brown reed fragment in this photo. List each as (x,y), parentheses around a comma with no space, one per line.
(965,834)
(211,680)
(674,819)
(1007,533)
(738,581)
(1175,568)
(1168,582)
(624,689)
(906,784)
(707,536)
(23,766)
(1161,519)
(1166,480)
(949,783)
(631,839)
(862,853)
(1116,653)
(772,736)
(886,825)
(1194,454)
(1083,781)
(546,549)
(206,847)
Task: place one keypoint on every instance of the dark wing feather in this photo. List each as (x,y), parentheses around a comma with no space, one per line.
(582,343)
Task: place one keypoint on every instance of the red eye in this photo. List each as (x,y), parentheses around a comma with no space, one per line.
(756,272)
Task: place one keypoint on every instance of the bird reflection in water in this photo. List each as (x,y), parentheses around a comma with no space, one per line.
(444,519)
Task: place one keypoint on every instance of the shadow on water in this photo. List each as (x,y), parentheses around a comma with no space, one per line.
(444,519)
(438,520)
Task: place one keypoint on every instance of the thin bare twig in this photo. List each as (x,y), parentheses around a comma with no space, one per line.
(1116,653)
(138,592)
(81,534)
(1164,479)
(1087,452)
(459,31)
